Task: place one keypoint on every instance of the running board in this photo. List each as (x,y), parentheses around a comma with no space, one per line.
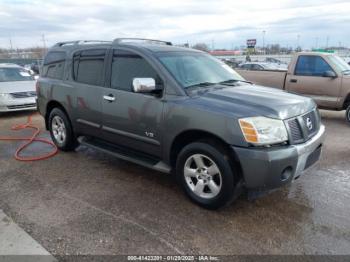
(125,154)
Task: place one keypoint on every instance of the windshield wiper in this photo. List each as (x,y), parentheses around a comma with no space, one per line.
(201,84)
(230,81)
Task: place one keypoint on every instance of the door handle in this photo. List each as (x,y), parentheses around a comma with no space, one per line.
(109,98)
(293,80)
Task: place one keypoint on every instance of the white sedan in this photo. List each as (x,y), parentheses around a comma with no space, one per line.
(17,89)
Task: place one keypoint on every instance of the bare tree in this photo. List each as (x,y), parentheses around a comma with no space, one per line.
(201,46)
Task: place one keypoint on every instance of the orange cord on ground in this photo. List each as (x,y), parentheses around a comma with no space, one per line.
(30,140)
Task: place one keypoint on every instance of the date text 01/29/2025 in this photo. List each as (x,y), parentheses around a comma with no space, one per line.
(173,258)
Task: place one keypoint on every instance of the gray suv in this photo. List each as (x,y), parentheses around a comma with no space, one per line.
(180,111)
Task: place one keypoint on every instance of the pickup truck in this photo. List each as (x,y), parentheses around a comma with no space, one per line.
(325,77)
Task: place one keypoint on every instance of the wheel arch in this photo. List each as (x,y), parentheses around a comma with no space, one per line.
(190,136)
(346,102)
(49,107)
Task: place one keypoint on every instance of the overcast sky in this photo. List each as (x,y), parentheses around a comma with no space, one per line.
(224,23)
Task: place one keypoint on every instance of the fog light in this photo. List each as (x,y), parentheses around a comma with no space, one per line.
(286,173)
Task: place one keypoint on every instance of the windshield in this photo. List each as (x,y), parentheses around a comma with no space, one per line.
(340,64)
(197,69)
(9,74)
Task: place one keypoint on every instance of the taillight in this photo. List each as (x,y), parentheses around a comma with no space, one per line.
(37,87)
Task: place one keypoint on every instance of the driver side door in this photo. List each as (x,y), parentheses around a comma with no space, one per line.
(132,120)
(309,79)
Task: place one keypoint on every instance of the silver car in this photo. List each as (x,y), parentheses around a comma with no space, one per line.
(263,66)
(17,89)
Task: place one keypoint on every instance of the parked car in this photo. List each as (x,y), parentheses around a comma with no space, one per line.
(325,77)
(181,111)
(231,62)
(261,66)
(17,89)
(274,61)
(35,67)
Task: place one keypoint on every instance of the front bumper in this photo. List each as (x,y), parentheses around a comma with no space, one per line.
(269,168)
(10,104)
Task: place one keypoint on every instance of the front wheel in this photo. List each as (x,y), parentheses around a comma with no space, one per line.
(204,172)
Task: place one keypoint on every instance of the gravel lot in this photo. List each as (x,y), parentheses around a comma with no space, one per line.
(86,202)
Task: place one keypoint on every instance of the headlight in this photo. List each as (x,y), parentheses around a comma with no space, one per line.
(263,131)
(4,95)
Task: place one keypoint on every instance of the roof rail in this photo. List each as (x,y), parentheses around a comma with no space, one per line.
(81,42)
(120,40)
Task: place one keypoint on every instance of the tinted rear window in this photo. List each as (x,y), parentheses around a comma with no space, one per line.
(53,66)
(88,66)
(53,57)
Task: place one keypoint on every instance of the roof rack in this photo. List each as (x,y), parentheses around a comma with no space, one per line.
(81,42)
(120,40)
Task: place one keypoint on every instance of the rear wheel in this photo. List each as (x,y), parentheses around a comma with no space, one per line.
(61,130)
(204,172)
(348,114)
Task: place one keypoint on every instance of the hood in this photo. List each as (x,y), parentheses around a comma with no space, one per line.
(253,100)
(17,86)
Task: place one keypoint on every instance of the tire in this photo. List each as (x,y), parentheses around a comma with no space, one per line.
(197,181)
(61,130)
(347,116)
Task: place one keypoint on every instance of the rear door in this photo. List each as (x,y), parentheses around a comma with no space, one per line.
(132,120)
(308,80)
(89,67)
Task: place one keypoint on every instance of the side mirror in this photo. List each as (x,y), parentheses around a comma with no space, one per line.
(144,85)
(330,74)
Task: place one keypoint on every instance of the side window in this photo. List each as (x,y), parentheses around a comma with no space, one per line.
(88,66)
(256,67)
(247,66)
(53,66)
(126,66)
(311,66)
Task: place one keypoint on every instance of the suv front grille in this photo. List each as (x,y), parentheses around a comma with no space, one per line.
(304,127)
(23,94)
(295,131)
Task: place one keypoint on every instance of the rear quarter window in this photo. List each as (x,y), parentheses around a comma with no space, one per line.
(53,66)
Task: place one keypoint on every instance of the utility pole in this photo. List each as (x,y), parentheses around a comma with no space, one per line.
(316,42)
(327,41)
(264,32)
(43,40)
(44,44)
(212,44)
(11,47)
(298,41)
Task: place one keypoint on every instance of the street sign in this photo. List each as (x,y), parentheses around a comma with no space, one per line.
(251,43)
